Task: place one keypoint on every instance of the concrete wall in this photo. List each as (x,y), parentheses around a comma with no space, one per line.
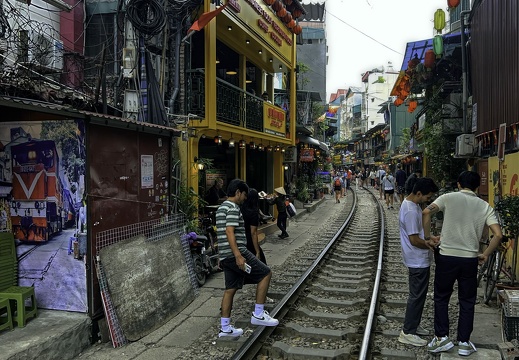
(148,282)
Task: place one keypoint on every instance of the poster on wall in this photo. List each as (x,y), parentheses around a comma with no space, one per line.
(42,196)
(146,171)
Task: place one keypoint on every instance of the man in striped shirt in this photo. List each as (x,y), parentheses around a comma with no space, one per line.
(237,262)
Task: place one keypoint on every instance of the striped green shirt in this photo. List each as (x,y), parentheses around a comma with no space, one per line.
(229,214)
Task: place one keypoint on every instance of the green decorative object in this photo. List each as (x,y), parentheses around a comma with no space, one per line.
(438,45)
(439,20)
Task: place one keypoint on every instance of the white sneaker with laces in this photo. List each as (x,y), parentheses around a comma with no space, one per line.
(466,348)
(263,319)
(232,332)
(411,339)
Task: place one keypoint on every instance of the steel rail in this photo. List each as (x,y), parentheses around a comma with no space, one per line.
(253,344)
(366,340)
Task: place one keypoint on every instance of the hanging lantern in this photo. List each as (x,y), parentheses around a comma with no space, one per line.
(291,24)
(453,3)
(252,145)
(439,20)
(269,2)
(241,144)
(411,64)
(429,59)
(398,102)
(438,45)
(281,12)
(412,106)
(296,13)
(276,5)
(297,29)
(287,18)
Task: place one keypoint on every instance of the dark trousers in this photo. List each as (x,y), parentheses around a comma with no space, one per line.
(448,270)
(418,285)
(282,222)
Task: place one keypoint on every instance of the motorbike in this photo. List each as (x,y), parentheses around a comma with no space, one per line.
(204,251)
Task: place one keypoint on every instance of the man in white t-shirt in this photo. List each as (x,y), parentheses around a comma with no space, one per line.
(465,216)
(417,255)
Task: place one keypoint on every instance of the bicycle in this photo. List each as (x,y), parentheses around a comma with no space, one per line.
(492,269)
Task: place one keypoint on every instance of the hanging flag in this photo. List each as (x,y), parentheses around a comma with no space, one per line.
(204,19)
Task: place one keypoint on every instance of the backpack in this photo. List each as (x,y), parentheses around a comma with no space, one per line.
(337,182)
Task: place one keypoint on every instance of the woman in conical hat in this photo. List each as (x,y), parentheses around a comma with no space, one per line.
(279,201)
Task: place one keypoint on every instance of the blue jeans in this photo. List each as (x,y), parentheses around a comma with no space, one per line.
(450,269)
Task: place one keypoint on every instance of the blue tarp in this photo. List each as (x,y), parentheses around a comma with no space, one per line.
(450,42)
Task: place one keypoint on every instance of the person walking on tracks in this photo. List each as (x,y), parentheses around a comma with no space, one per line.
(465,216)
(417,257)
(279,201)
(238,263)
(338,186)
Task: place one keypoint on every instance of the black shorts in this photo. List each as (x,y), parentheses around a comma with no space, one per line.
(389,192)
(235,277)
(337,188)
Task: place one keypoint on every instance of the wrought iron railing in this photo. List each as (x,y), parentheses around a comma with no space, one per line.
(233,105)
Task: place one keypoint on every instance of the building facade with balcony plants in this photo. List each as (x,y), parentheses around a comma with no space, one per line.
(247,51)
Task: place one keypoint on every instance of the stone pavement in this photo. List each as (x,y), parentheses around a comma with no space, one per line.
(46,337)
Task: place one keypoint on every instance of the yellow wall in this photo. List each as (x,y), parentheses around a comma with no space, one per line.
(509,177)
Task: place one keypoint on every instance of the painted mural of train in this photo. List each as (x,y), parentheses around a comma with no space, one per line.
(37,205)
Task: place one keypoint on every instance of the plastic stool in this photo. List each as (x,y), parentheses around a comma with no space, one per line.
(4,304)
(20,294)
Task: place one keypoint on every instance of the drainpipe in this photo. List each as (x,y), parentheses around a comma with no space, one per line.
(466,122)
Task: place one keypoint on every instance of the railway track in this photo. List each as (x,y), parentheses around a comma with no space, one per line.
(340,296)
(330,311)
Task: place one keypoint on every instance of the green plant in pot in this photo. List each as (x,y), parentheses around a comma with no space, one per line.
(188,203)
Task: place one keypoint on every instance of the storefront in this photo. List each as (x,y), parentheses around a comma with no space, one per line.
(245,52)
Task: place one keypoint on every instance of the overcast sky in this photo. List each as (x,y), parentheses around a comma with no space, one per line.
(366,34)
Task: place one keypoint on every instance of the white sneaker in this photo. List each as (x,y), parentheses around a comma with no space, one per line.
(440,344)
(421,331)
(232,332)
(264,319)
(466,348)
(411,339)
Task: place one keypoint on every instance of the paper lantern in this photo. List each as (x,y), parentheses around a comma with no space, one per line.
(276,6)
(429,59)
(287,18)
(398,102)
(412,106)
(291,24)
(281,12)
(453,3)
(439,20)
(297,29)
(438,45)
(296,13)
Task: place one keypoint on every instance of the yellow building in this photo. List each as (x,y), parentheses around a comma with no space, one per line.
(246,49)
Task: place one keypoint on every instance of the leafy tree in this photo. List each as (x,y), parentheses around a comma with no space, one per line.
(302,80)
(67,137)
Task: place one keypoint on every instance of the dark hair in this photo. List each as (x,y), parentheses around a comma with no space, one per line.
(469,180)
(425,185)
(237,184)
(418,171)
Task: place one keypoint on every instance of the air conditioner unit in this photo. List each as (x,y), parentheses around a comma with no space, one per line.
(45,51)
(465,146)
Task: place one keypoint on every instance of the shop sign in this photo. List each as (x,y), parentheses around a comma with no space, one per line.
(274,120)
(307,155)
(290,154)
(212,174)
